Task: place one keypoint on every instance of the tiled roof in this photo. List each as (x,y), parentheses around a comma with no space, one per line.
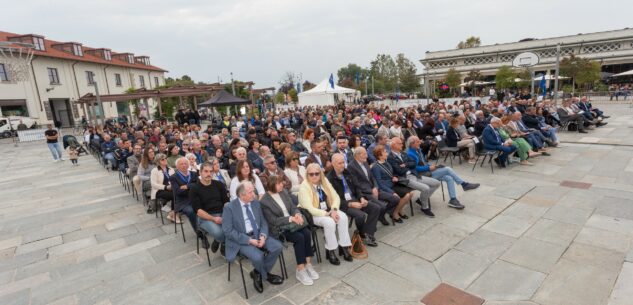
(56,53)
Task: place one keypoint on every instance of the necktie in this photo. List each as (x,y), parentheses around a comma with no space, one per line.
(220,178)
(251,218)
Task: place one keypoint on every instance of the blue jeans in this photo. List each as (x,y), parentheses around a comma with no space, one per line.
(212,228)
(551,134)
(56,151)
(188,211)
(109,157)
(449,176)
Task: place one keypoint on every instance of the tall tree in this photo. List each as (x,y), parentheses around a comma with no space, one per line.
(350,73)
(407,74)
(308,85)
(525,77)
(581,70)
(470,42)
(452,79)
(505,78)
(287,82)
(383,69)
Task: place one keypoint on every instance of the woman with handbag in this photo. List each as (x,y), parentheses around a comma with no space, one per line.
(387,182)
(285,219)
(318,197)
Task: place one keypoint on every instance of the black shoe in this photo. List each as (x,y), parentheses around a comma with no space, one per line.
(383,220)
(368,241)
(215,245)
(601,124)
(470,186)
(582,131)
(331,257)
(454,203)
(222,250)
(399,220)
(257,281)
(150,210)
(428,213)
(345,253)
(606,116)
(498,162)
(274,279)
(403,216)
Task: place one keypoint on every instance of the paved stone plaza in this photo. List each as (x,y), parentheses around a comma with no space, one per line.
(73,235)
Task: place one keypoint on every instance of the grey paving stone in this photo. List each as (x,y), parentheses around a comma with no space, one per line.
(568,215)
(232,298)
(594,256)
(510,303)
(460,269)
(109,235)
(508,225)
(623,289)
(343,294)
(21,297)
(39,245)
(576,284)
(468,223)
(6,276)
(552,231)
(382,254)
(485,244)
(22,260)
(30,282)
(111,289)
(513,191)
(71,246)
(382,285)
(442,237)
(278,300)
(505,281)
(534,254)
(423,274)
(621,207)
(605,239)
(300,294)
(529,212)
(117,254)
(142,236)
(609,223)
(11,242)
(99,249)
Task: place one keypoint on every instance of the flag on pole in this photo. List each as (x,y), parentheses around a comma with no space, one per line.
(542,86)
(357,78)
(332,80)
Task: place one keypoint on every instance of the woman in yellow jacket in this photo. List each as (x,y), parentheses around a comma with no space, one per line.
(318,197)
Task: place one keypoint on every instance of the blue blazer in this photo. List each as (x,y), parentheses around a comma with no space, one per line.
(413,154)
(491,142)
(382,178)
(235,229)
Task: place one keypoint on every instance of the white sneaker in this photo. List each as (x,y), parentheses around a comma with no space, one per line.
(62,159)
(304,278)
(166,208)
(55,160)
(311,272)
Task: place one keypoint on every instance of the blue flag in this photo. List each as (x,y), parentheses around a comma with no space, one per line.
(542,85)
(332,80)
(357,78)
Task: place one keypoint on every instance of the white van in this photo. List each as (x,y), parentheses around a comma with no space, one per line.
(8,125)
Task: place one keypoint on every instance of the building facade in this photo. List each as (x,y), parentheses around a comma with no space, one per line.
(61,72)
(613,49)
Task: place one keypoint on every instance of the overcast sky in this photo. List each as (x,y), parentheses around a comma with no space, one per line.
(260,40)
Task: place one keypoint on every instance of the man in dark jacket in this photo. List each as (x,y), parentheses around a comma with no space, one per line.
(364,212)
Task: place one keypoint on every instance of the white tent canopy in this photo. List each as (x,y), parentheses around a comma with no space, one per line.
(630,72)
(323,94)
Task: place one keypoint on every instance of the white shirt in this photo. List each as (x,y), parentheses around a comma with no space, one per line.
(234,183)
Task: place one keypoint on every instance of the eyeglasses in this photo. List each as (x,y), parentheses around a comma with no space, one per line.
(271,162)
(314,174)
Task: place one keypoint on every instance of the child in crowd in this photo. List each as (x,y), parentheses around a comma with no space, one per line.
(73,154)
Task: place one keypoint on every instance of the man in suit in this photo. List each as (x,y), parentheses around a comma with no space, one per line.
(318,155)
(181,182)
(493,141)
(246,233)
(566,114)
(364,212)
(341,148)
(380,140)
(368,186)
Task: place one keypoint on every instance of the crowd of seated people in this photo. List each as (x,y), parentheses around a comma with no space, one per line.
(253,181)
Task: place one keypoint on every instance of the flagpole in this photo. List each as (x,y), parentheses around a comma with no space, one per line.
(556,73)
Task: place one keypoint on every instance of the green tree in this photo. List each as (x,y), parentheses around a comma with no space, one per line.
(384,69)
(280,97)
(308,85)
(505,78)
(525,77)
(349,73)
(293,95)
(407,74)
(583,71)
(452,79)
(470,42)
(471,78)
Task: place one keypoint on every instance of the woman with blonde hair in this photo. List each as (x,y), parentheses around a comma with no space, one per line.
(318,197)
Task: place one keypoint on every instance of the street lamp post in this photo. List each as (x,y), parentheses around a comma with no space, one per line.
(99,104)
(556,73)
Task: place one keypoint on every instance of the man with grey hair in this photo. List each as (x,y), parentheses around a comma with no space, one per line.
(493,141)
(181,182)
(271,169)
(246,233)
